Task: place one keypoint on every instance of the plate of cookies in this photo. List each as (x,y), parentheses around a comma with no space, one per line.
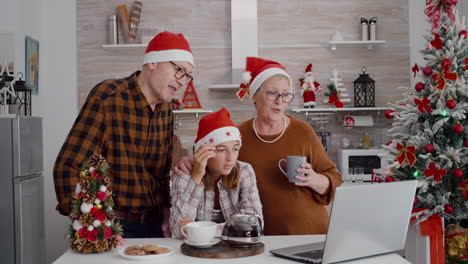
(145,252)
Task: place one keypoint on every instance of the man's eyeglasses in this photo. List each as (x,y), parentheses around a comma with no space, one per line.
(273,95)
(181,73)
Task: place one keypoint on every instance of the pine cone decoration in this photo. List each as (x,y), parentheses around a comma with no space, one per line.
(101,245)
(113,242)
(87,219)
(94,160)
(89,197)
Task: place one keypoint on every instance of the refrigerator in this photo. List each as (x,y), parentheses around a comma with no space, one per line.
(22,227)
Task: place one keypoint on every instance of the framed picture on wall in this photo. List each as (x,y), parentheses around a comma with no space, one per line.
(32,64)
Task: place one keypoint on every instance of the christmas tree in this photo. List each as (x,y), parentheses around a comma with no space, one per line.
(430,128)
(93,228)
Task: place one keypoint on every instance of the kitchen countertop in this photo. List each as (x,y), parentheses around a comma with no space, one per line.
(271,242)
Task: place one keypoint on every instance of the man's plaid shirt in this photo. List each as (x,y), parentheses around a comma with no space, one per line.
(117,122)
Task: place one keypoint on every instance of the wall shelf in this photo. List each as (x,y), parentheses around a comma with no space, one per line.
(308,111)
(369,43)
(224,87)
(197,112)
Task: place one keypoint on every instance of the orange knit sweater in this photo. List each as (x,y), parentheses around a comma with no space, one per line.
(289,209)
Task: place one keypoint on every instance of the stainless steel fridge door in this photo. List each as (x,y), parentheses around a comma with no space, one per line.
(29,220)
(27,145)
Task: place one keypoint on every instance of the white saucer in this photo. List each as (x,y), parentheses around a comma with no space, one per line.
(214,241)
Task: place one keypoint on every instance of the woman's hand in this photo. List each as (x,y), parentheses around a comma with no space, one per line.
(317,182)
(185,221)
(200,158)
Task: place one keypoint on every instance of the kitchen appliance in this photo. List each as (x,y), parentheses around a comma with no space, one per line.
(243,230)
(22,225)
(357,164)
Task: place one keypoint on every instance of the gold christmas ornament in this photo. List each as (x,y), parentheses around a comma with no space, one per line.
(99,206)
(456,241)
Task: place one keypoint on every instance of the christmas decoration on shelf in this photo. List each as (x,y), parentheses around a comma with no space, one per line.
(364,90)
(7,91)
(340,91)
(429,129)
(309,87)
(190,99)
(93,228)
(176,104)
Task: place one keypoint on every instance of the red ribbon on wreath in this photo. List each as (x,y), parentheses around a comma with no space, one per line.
(435,8)
(407,153)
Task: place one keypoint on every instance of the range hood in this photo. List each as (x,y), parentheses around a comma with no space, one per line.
(244,41)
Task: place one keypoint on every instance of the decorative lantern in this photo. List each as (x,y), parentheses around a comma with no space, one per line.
(364,90)
(23,95)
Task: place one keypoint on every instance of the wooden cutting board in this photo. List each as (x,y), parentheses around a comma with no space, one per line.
(222,250)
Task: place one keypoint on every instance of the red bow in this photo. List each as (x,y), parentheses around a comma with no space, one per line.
(441,77)
(243,91)
(437,42)
(423,104)
(333,99)
(415,70)
(407,153)
(434,11)
(434,171)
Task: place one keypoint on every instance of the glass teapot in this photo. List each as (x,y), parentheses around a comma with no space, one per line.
(243,230)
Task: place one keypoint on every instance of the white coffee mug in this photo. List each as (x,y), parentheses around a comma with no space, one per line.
(202,232)
(292,164)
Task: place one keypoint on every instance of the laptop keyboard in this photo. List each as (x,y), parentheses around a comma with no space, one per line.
(314,255)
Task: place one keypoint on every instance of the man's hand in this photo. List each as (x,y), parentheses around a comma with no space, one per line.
(183,166)
(185,221)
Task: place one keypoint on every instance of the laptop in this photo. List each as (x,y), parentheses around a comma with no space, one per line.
(365,220)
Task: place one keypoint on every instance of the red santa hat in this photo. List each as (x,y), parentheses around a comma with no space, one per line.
(168,46)
(308,68)
(257,70)
(216,128)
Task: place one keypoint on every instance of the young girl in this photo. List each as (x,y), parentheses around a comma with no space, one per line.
(219,185)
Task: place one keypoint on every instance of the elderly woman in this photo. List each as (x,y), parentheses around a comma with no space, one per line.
(288,208)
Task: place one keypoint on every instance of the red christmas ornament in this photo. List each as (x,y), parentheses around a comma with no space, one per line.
(457,173)
(427,71)
(465,143)
(389,114)
(463,33)
(448,209)
(389,179)
(429,148)
(451,103)
(416,200)
(419,86)
(457,129)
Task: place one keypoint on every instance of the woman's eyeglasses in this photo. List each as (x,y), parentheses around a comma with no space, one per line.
(273,95)
(181,73)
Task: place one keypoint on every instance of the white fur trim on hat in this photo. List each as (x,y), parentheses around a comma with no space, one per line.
(261,77)
(168,55)
(220,135)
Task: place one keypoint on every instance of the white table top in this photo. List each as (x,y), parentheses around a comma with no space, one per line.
(271,242)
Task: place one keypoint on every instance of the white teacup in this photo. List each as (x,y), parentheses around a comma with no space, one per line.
(202,232)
